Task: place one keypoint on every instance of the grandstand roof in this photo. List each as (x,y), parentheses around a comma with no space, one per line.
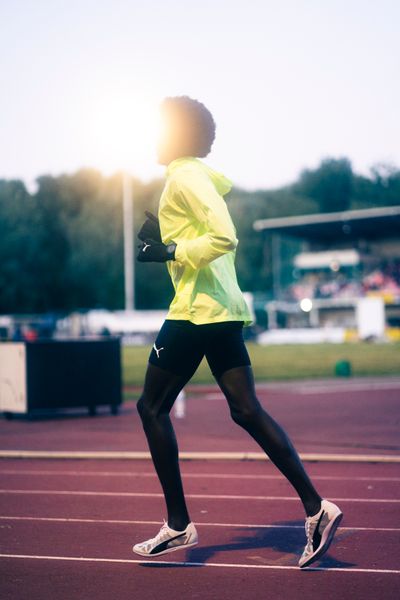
(368,223)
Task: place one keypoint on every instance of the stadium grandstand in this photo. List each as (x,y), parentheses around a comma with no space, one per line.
(347,271)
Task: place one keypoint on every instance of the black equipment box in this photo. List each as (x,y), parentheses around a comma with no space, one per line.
(47,374)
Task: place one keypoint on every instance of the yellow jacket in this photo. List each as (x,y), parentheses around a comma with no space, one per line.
(194,215)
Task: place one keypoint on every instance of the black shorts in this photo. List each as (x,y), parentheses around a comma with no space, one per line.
(180,347)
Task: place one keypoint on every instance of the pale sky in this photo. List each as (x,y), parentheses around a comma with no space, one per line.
(288,82)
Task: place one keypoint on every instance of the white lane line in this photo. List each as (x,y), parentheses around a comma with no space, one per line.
(196,496)
(195,564)
(213,396)
(145,474)
(189,455)
(198,524)
(326,388)
(356,387)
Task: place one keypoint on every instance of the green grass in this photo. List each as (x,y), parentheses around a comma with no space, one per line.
(288,361)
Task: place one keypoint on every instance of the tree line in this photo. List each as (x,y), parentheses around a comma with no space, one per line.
(61,248)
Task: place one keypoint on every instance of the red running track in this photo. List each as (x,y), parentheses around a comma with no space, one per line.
(356,416)
(67,528)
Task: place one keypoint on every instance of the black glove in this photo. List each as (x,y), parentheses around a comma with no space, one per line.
(150,229)
(153,251)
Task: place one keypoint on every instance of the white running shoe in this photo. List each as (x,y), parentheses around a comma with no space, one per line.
(320,529)
(167,540)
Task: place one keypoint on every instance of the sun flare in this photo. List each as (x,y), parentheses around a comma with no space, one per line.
(123,132)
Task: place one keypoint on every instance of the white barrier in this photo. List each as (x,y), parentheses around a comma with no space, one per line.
(335,335)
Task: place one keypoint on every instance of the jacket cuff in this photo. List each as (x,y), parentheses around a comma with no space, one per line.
(180,253)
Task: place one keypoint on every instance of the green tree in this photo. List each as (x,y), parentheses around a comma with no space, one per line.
(62,247)
(330,185)
(20,231)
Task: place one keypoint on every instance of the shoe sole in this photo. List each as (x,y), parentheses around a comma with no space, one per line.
(172,549)
(326,543)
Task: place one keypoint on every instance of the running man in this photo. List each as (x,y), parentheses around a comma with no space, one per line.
(196,238)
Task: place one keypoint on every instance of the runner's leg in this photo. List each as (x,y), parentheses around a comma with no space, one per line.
(237,385)
(175,357)
(160,391)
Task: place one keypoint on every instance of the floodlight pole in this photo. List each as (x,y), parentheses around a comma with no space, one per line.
(276,265)
(129,263)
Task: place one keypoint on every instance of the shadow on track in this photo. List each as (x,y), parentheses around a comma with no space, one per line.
(287,543)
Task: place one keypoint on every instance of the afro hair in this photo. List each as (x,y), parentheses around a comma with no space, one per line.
(191,125)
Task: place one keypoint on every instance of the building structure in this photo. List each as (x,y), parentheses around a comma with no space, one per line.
(345,257)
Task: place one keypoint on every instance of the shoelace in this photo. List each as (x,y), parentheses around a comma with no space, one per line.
(309,533)
(160,537)
(162,533)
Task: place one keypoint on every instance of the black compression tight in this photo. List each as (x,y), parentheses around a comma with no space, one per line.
(246,411)
(160,391)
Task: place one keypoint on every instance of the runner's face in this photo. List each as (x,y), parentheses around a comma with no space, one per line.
(164,150)
(171,142)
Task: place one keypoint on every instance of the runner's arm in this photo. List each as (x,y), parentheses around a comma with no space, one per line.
(209,214)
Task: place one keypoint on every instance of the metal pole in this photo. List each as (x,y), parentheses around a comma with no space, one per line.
(128,242)
(276,265)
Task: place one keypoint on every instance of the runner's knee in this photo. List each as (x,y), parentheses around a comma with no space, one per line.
(246,415)
(151,411)
(146,411)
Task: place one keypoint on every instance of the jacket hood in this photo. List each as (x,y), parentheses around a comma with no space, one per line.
(222,184)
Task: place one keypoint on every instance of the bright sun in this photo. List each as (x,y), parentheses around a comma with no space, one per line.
(123,131)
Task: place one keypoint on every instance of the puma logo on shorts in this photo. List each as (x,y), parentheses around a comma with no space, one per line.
(157,350)
(186,344)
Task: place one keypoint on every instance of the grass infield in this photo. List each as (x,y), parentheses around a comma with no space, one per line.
(288,361)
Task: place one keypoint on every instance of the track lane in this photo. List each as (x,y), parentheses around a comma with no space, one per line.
(356,421)
(223,468)
(236,545)
(273,511)
(205,485)
(65,580)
